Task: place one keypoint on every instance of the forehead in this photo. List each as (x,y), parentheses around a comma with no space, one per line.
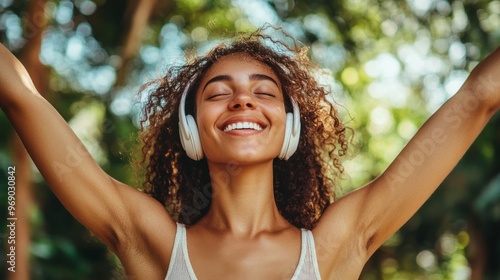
(238,63)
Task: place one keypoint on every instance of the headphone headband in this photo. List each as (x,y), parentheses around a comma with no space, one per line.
(182,111)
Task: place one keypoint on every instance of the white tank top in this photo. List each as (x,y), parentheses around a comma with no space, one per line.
(180,267)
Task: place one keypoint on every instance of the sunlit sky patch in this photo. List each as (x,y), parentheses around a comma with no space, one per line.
(86,7)
(11,23)
(381,121)
(122,104)
(385,65)
(6,3)
(421,7)
(64,14)
(75,48)
(258,12)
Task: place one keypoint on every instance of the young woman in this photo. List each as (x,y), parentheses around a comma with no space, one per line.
(227,196)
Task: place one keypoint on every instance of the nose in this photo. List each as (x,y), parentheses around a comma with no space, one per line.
(242,101)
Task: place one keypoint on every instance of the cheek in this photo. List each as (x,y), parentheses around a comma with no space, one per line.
(205,121)
(279,115)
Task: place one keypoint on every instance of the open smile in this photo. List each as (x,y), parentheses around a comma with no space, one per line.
(242,125)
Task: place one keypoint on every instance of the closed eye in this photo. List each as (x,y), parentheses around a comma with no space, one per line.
(266,93)
(217,95)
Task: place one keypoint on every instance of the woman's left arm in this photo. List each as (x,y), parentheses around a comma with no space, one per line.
(379,209)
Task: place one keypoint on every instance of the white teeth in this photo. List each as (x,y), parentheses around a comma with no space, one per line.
(243,125)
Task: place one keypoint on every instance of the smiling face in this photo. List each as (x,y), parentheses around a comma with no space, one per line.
(240,111)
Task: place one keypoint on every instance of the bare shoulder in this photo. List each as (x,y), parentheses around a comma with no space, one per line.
(145,251)
(340,240)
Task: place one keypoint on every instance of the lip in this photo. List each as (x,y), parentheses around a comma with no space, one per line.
(242,119)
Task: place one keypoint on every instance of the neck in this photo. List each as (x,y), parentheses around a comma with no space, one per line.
(243,199)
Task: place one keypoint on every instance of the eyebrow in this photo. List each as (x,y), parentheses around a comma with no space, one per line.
(252,77)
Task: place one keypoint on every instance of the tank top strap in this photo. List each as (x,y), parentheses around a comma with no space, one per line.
(307,268)
(180,266)
(312,253)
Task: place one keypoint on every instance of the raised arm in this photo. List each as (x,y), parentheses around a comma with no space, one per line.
(111,210)
(376,211)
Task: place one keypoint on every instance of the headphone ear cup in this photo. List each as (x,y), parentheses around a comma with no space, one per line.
(292,132)
(188,130)
(288,134)
(192,143)
(294,137)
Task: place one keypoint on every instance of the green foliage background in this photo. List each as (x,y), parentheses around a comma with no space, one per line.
(392,64)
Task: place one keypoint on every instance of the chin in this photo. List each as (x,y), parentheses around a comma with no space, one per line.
(241,158)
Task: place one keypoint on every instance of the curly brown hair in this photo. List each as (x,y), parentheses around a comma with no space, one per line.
(303,185)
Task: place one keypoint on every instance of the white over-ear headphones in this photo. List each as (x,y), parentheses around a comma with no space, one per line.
(190,139)
(292,132)
(188,131)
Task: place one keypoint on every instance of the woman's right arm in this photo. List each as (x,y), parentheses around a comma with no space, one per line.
(111,210)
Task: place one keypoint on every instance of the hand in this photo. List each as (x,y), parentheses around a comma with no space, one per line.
(14,79)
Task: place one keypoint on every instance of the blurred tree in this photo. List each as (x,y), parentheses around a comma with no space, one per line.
(392,64)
